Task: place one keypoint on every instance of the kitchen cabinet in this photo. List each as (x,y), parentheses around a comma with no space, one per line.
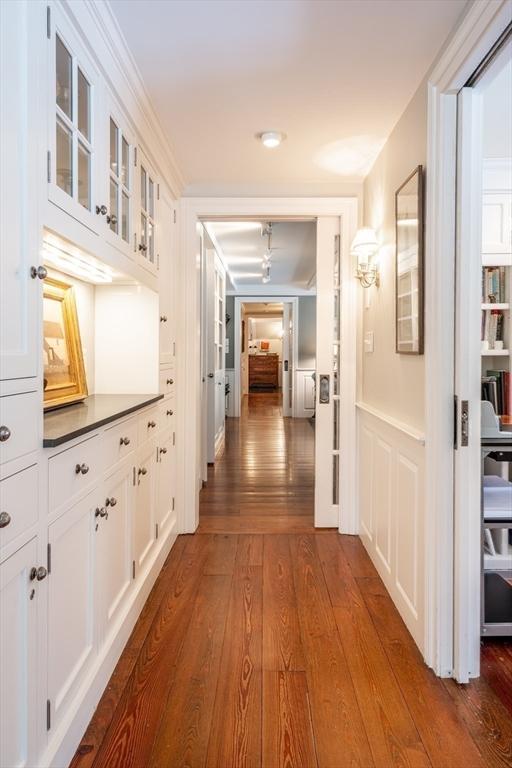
(497,225)
(119,176)
(166,480)
(20,291)
(19,600)
(71,604)
(148,194)
(113,546)
(166,280)
(144,532)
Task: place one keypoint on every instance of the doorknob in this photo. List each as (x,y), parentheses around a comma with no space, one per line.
(40,272)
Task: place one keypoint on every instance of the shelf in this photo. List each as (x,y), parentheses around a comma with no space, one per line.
(497,260)
(495,352)
(496,306)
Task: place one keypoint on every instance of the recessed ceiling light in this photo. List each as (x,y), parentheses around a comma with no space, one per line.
(271,139)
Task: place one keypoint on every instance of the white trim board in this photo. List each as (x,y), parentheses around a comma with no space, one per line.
(475,35)
(411,432)
(192,211)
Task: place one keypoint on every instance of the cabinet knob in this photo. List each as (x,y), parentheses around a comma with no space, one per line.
(5,519)
(169,413)
(151,424)
(111,502)
(38,573)
(210,375)
(40,272)
(142,247)
(5,433)
(163,318)
(81,469)
(112,219)
(170,381)
(163,450)
(142,471)
(101,512)
(124,441)
(101,209)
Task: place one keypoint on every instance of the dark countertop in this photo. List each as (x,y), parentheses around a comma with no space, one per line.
(72,421)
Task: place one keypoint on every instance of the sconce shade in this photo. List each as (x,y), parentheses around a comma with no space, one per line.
(364,244)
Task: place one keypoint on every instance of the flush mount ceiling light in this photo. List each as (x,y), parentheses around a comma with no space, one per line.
(271,139)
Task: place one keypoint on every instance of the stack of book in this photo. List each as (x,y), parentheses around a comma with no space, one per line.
(496,389)
(492,326)
(493,285)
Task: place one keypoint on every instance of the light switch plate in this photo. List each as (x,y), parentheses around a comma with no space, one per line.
(368,342)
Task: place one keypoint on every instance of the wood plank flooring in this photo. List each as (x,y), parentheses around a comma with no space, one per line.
(271,647)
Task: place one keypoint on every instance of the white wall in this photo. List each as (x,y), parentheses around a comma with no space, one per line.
(391,390)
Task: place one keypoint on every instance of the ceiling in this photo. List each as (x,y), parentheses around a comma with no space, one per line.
(242,246)
(333,75)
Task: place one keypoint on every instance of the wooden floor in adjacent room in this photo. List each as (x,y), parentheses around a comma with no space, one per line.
(265,643)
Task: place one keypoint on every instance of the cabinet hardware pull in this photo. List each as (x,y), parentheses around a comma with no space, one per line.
(170,381)
(169,413)
(101,512)
(101,209)
(142,247)
(163,318)
(40,272)
(81,469)
(5,434)
(5,519)
(124,441)
(38,573)
(151,424)
(111,502)
(210,375)
(163,450)
(112,219)
(142,471)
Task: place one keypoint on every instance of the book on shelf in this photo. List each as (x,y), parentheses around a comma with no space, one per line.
(493,285)
(493,323)
(496,389)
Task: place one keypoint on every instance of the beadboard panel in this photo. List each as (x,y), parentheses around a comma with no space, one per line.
(391,477)
(304,393)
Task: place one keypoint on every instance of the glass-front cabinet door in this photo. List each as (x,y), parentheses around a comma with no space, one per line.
(121,181)
(148,194)
(72,154)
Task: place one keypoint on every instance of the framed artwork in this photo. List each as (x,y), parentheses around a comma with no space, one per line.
(64,373)
(409,226)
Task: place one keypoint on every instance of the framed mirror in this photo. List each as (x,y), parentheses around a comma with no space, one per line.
(409,264)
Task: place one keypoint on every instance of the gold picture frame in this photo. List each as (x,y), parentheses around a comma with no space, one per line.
(64,372)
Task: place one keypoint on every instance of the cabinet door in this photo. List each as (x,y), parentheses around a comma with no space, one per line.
(18,644)
(166,480)
(20,294)
(497,224)
(114,547)
(119,176)
(166,280)
(74,140)
(71,646)
(144,513)
(148,194)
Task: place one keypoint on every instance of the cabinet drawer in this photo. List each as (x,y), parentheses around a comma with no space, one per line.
(167,414)
(19,498)
(21,415)
(167,382)
(72,471)
(118,441)
(150,422)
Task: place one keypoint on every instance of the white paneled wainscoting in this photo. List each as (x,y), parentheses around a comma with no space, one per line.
(304,393)
(392,513)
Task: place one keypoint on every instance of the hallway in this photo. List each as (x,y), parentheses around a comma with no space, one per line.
(264,648)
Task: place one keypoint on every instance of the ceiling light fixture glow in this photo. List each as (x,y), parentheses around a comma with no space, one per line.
(271,139)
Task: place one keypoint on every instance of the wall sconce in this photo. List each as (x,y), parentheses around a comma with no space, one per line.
(364,246)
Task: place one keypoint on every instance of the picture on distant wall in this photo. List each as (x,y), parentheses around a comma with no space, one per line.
(409,264)
(64,374)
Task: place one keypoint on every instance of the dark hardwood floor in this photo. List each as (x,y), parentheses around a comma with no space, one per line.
(267,644)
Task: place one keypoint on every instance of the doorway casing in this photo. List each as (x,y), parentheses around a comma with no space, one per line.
(194,210)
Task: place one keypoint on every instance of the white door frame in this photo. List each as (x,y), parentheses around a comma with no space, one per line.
(481,26)
(191,212)
(239,300)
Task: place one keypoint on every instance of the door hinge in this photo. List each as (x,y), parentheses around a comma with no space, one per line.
(134,476)
(48,166)
(135,156)
(48,715)
(158,261)
(173,503)
(49,558)
(48,22)
(157,455)
(158,191)
(156,530)
(133,568)
(174,438)
(174,215)
(174,349)
(135,242)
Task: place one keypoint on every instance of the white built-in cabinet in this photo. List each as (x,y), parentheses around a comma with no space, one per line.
(78,550)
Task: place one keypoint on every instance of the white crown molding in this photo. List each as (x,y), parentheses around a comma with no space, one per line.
(118,68)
